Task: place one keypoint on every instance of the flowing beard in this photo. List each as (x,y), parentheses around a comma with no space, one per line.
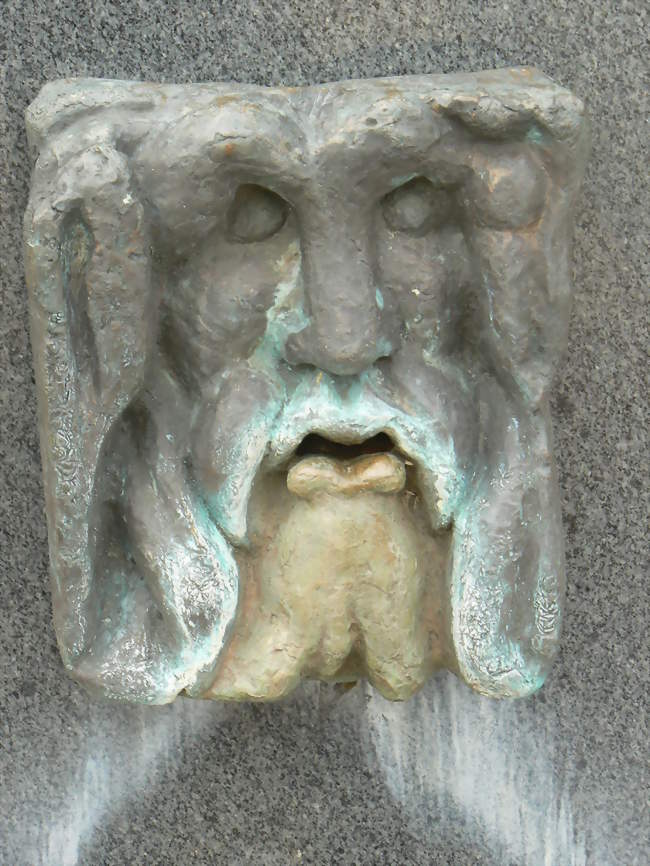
(333,586)
(241,573)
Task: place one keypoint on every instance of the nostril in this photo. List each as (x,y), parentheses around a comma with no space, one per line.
(332,354)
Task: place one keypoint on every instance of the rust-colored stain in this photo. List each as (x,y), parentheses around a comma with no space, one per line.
(229,148)
(222,101)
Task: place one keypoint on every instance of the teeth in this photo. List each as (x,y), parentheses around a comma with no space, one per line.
(380,473)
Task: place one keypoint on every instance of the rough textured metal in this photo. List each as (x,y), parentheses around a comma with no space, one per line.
(223,275)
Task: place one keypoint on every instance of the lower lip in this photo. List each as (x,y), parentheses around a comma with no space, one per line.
(371,473)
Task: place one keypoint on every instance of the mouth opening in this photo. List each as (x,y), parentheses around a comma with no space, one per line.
(314,444)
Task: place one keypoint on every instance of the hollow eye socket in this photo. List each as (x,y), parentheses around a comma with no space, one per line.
(255,214)
(417,207)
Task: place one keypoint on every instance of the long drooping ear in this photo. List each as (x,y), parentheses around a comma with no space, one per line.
(507,580)
(88,274)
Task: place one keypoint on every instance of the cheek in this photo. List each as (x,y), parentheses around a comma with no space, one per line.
(427,278)
(217,302)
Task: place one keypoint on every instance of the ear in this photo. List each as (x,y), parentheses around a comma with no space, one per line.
(519,202)
(507,577)
(87,266)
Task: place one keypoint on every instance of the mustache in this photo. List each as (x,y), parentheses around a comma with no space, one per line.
(257,421)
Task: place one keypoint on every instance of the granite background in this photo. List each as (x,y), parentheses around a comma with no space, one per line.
(332,777)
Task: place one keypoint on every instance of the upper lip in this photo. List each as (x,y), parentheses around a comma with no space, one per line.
(282,448)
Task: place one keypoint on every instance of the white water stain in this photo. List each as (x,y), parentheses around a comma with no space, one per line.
(451,752)
(145,744)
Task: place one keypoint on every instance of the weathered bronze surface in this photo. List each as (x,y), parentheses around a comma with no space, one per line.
(293,350)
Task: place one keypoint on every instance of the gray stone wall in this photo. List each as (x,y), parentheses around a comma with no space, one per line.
(331,776)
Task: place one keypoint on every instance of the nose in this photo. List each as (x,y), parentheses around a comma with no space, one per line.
(349,324)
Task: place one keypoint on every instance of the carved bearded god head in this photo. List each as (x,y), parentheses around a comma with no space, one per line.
(293,348)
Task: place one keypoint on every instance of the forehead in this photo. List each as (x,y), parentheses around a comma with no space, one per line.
(353,126)
(296,141)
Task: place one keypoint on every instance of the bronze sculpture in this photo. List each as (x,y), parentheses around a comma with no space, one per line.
(293,350)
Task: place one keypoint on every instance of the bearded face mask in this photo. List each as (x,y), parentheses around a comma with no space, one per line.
(293,349)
